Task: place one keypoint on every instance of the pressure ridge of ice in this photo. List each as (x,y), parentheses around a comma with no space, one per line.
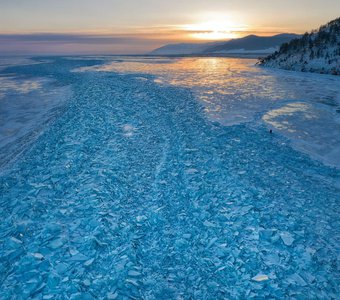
(132,193)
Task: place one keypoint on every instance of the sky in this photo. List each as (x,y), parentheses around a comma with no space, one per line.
(139,26)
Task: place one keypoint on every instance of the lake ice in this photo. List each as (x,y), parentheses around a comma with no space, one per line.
(157,178)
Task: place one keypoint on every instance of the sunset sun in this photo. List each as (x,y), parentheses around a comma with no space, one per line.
(215,28)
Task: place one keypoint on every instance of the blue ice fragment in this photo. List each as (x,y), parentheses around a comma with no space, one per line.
(79,257)
(141,218)
(296,279)
(87,282)
(38,256)
(180,242)
(61,268)
(134,273)
(133,282)
(73,251)
(308,276)
(53,279)
(266,234)
(287,238)
(13,254)
(14,242)
(213,285)
(89,262)
(208,224)
(112,296)
(81,296)
(57,243)
(272,259)
(187,235)
(260,277)
(211,242)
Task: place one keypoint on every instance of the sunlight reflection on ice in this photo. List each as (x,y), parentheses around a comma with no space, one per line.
(13,84)
(274,116)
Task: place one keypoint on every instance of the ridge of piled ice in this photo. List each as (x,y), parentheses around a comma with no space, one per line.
(181,208)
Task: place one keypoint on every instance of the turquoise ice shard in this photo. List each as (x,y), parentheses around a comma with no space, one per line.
(57,243)
(38,255)
(89,262)
(287,238)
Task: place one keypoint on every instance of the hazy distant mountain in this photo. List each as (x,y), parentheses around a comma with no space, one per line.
(248,44)
(318,51)
(252,43)
(183,48)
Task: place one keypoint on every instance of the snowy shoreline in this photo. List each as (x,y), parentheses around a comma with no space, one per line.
(294,67)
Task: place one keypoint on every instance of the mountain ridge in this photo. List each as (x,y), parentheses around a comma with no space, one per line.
(266,44)
(253,42)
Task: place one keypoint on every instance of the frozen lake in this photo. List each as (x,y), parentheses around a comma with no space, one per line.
(155,178)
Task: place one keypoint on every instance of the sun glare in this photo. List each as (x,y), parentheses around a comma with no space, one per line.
(217,28)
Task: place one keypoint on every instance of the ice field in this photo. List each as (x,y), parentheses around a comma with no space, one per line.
(149,178)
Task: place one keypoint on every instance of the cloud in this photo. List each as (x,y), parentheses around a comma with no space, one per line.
(65,38)
(135,41)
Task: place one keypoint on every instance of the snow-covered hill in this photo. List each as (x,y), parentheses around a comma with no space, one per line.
(317,51)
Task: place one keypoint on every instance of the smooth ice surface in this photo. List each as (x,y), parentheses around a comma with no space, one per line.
(133,193)
(27,105)
(9,61)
